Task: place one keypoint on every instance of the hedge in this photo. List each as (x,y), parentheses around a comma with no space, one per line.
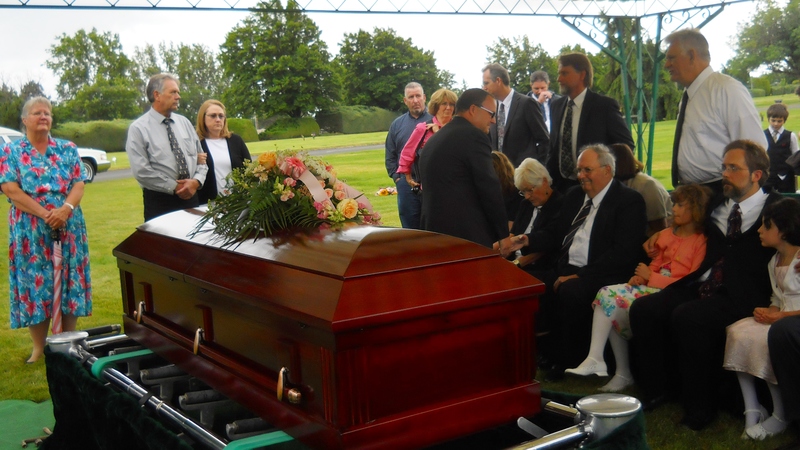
(287,128)
(356,119)
(100,134)
(244,128)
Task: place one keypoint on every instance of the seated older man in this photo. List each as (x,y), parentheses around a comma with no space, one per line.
(597,236)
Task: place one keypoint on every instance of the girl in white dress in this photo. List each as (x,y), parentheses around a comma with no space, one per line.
(746,350)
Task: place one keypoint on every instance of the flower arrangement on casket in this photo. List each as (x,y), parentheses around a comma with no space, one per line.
(282,191)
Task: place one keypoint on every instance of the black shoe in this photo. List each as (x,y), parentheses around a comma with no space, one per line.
(544,363)
(556,373)
(698,420)
(655,402)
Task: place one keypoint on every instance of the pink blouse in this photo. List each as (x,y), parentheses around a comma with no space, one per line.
(421,133)
(679,256)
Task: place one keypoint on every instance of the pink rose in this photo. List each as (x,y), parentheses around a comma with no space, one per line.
(293,166)
(329,192)
(287,195)
(288,181)
(339,186)
(339,195)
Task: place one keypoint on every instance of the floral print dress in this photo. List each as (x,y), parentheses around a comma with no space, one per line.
(47,179)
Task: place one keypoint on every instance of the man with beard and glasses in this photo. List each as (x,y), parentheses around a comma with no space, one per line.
(679,333)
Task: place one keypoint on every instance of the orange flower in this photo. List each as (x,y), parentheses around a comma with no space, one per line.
(348,207)
(267,160)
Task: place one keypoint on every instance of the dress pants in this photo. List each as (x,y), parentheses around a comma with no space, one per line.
(698,334)
(409,204)
(655,370)
(160,203)
(784,351)
(567,314)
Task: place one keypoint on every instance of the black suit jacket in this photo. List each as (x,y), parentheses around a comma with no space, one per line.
(745,278)
(615,243)
(238,152)
(461,194)
(546,215)
(526,134)
(601,122)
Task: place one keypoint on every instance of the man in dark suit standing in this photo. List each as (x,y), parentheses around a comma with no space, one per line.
(462,196)
(682,328)
(519,131)
(598,236)
(541,93)
(581,117)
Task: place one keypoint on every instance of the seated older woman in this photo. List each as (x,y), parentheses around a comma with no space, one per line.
(540,205)
(656,198)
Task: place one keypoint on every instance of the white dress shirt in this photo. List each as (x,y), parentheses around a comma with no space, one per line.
(579,250)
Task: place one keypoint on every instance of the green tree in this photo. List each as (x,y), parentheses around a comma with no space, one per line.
(376,66)
(277,63)
(771,40)
(10,106)
(102,100)
(196,67)
(521,58)
(82,59)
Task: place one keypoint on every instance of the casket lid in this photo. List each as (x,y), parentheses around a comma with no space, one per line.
(357,276)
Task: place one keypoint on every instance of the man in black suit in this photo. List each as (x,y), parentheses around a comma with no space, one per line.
(462,196)
(598,236)
(593,119)
(541,93)
(519,131)
(681,330)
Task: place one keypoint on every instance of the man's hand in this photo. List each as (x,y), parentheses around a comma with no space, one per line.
(186,188)
(544,96)
(505,246)
(561,281)
(411,181)
(649,245)
(518,241)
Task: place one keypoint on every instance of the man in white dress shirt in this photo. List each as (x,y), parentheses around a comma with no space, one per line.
(540,91)
(163,150)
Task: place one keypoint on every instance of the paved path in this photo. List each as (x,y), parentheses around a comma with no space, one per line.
(126,173)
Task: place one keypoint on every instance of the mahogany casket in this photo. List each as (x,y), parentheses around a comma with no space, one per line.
(366,337)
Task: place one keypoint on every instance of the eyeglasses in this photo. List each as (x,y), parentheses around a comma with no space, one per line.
(527,191)
(491,113)
(731,168)
(587,170)
(446,104)
(41,113)
(216,116)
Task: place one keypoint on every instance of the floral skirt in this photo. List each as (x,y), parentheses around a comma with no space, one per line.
(616,301)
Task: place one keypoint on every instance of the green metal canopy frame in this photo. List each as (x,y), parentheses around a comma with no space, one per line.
(587,18)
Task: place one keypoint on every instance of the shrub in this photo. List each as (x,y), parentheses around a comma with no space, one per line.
(100,134)
(244,128)
(757,93)
(356,119)
(291,128)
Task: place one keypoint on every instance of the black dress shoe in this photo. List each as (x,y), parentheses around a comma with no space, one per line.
(655,402)
(698,420)
(554,374)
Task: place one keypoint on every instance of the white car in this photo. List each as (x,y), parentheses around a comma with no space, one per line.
(94,161)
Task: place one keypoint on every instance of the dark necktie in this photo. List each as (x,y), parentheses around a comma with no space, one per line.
(543,107)
(775,136)
(180,160)
(567,160)
(576,224)
(714,281)
(501,126)
(676,143)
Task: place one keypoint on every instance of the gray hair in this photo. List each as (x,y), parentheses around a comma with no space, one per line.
(540,75)
(413,85)
(690,39)
(604,156)
(531,172)
(33,101)
(156,83)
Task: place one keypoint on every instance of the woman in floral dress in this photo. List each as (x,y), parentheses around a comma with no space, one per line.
(42,180)
(681,250)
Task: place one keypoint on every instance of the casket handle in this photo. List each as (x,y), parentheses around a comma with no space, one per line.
(139,312)
(198,337)
(294,396)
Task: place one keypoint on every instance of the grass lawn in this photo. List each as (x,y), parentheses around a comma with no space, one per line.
(114,208)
